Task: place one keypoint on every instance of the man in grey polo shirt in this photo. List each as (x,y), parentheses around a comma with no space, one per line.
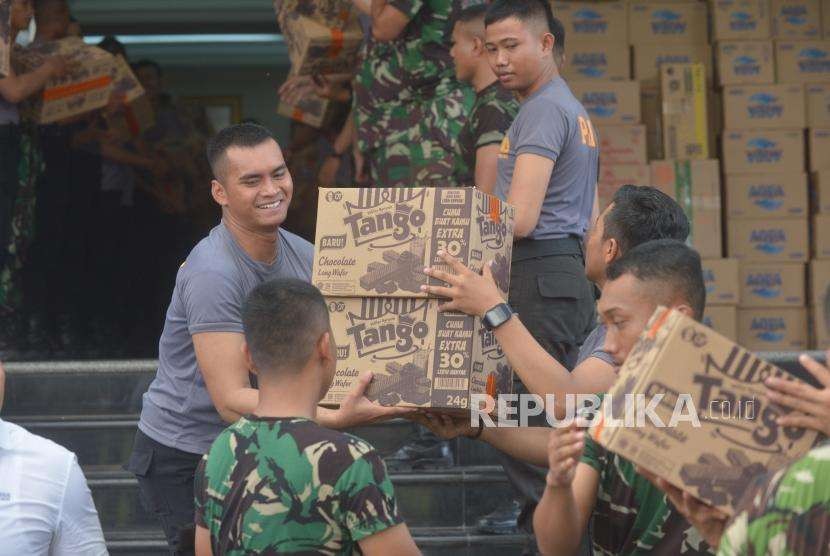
(203,381)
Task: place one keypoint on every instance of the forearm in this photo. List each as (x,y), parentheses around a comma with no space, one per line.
(527,444)
(556,523)
(18,88)
(238,403)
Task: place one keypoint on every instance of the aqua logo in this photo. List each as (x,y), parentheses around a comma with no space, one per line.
(709,280)
(600,104)
(769,329)
(769,241)
(795,15)
(764,106)
(742,21)
(764,284)
(746,65)
(813,60)
(769,197)
(760,150)
(589,22)
(667,22)
(590,64)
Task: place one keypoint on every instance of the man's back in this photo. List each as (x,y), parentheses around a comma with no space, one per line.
(287,485)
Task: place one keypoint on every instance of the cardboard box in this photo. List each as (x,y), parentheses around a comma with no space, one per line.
(819,281)
(721,279)
(796,19)
(763,151)
(6,39)
(734,437)
(763,240)
(124,81)
(597,60)
(419,357)
(825,21)
(740,19)
(652,115)
(767,195)
(723,319)
(764,107)
(821,191)
(821,332)
(609,102)
(614,176)
(821,236)
(656,22)
(590,22)
(695,185)
(85,88)
(311,110)
(819,140)
(648,58)
(745,63)
(818,103)
(773,329)
(773,285)
(802,61)
(331,13)
(316,49)
(376,242)
(622,144)
(685,118)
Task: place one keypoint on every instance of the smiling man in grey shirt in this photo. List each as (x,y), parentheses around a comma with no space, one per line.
(203,381)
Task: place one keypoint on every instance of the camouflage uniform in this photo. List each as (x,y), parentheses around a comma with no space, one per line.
(494,110)
(409,108)
(287,485)
(785,512)
(632,516)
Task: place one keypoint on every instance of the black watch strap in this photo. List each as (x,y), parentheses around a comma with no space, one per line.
(497,316)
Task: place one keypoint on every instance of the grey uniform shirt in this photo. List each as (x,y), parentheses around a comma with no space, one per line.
(210,288)
(552,123)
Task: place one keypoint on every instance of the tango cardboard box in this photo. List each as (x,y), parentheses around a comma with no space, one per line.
(376,242)
(719,432)
(419,356)
(315,48)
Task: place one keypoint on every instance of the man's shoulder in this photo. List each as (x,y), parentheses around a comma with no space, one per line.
(41,448)
(299,245)
(212,254)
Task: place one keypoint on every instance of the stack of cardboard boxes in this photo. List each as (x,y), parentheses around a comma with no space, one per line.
(723,294)
(370,251)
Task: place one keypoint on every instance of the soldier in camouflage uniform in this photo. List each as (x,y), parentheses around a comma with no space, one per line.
(409,109)
(493,111)
(276,482)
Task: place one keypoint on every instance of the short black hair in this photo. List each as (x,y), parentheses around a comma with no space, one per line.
(246,135)
(113,46)
(673,264)
(641,213)
(141,64)
(282,320)
(557,29)
(523,10)
(472,14)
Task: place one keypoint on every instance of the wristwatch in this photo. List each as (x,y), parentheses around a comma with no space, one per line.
(497,316)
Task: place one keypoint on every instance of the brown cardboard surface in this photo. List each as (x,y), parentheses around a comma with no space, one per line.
(723,319)
(6,39)
(819,141)
(821,236)
(745,62)
(819,281)
(331,13)
(376,242)
(315,48)
(622,144)
(740,19)
(764,107)
(648,58)
(613,176)
(764,240)
(821,334)
(124,81)
(802,61)
(768,151)
(311,110)
(773,329)
(419,357)
(735,442)
(820,187)
(655,22)
(597,60)
(84,89)
(818,103)
(796,19)
(721,279)
(652,114)
(592,21)
(609,102)
(685,116)
(773,285)
(766,195)
(695,185)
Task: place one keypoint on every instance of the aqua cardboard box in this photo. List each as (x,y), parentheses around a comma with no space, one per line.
(819,141)
(622,144)
(765,240)
(657,22)
(609,102)
(773,329)
(767,195)
(740,19)
(773,285)
(745,62)
(723,319)
(764,107)
(818,103)
(592,22)
(770,151)
(649,58)
(802,61)
(796,19)
(722,281)
(597,60)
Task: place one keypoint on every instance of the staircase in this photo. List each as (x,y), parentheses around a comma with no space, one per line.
(92,409)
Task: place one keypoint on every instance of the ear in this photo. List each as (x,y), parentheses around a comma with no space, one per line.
(684,309)
(249,361)
(324,348)
(611,250)
(547,43)
(478,46)
(217,190)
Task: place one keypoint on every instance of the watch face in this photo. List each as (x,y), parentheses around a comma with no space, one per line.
(497,315)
